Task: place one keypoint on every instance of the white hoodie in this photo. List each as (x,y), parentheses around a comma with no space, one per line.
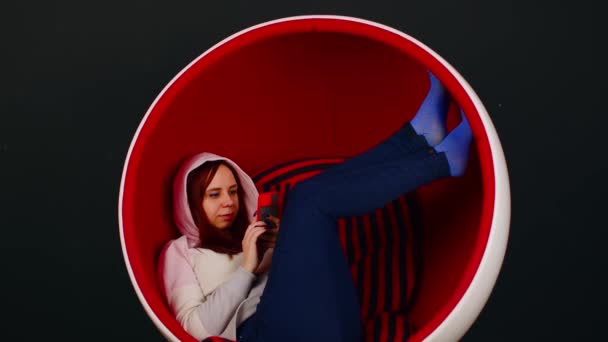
(209,293)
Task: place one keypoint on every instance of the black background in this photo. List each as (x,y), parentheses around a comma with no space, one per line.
(77,78)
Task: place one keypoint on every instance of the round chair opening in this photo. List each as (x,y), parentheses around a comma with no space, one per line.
(316,87)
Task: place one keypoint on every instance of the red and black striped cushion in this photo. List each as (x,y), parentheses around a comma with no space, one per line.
(379,249)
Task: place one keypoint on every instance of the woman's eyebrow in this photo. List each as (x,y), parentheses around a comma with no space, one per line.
(217,189)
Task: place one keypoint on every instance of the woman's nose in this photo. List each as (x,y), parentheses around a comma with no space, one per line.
(228,201)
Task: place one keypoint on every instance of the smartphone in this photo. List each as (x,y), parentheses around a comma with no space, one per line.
(268,204)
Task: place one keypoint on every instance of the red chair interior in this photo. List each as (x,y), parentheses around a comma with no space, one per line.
(264,99)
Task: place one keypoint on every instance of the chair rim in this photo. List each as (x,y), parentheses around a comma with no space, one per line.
(459,318)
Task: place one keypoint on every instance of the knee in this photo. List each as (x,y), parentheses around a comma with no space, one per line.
(304,197)
(299,197)
(313,188)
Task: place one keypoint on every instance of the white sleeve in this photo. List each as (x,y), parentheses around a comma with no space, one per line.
(200,315)
(184,302)
(181,288)
(204,316)
(220,305)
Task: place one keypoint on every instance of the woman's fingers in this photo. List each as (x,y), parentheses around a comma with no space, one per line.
(271,235)
(250,248)
(267,238)
(273,231)
(250,233)
(255,234)
(253,226)
(256,224)
(273,218)
(257,231)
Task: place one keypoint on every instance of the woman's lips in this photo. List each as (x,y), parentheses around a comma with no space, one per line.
(227,216)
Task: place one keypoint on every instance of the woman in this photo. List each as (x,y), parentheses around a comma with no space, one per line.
(212,277)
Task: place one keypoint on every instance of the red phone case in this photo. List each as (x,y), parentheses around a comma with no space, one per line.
(268,203)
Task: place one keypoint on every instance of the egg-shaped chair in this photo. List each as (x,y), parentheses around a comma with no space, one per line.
(311,88)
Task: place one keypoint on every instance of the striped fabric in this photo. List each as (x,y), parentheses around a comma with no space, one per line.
(378,247)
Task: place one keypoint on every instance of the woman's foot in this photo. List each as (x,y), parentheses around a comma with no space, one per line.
(429,121)
(456,147)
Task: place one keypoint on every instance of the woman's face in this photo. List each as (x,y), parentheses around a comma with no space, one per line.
(221,200)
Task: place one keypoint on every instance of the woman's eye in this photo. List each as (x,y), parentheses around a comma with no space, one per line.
(213,194)
(233,192)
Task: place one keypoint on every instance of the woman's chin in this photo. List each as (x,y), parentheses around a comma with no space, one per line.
(223,224)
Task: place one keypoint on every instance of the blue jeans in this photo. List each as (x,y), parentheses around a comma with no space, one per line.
(310,294)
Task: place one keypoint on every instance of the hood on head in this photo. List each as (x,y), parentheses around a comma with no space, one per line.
(181,209)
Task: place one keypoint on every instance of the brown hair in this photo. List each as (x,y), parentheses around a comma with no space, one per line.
(226,241)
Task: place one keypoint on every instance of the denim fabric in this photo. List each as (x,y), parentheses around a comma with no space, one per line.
(245,330)
(310,294)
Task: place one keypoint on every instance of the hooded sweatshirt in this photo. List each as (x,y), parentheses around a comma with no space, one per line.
(209,293)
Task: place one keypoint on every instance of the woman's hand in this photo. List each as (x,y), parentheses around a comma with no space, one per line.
(266,243)
(269,239)
(264,265)
(249,244)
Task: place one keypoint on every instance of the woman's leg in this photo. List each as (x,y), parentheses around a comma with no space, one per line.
(310,295)
(399,165)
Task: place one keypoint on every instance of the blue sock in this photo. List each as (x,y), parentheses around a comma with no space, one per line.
(429,121)
(456,147)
